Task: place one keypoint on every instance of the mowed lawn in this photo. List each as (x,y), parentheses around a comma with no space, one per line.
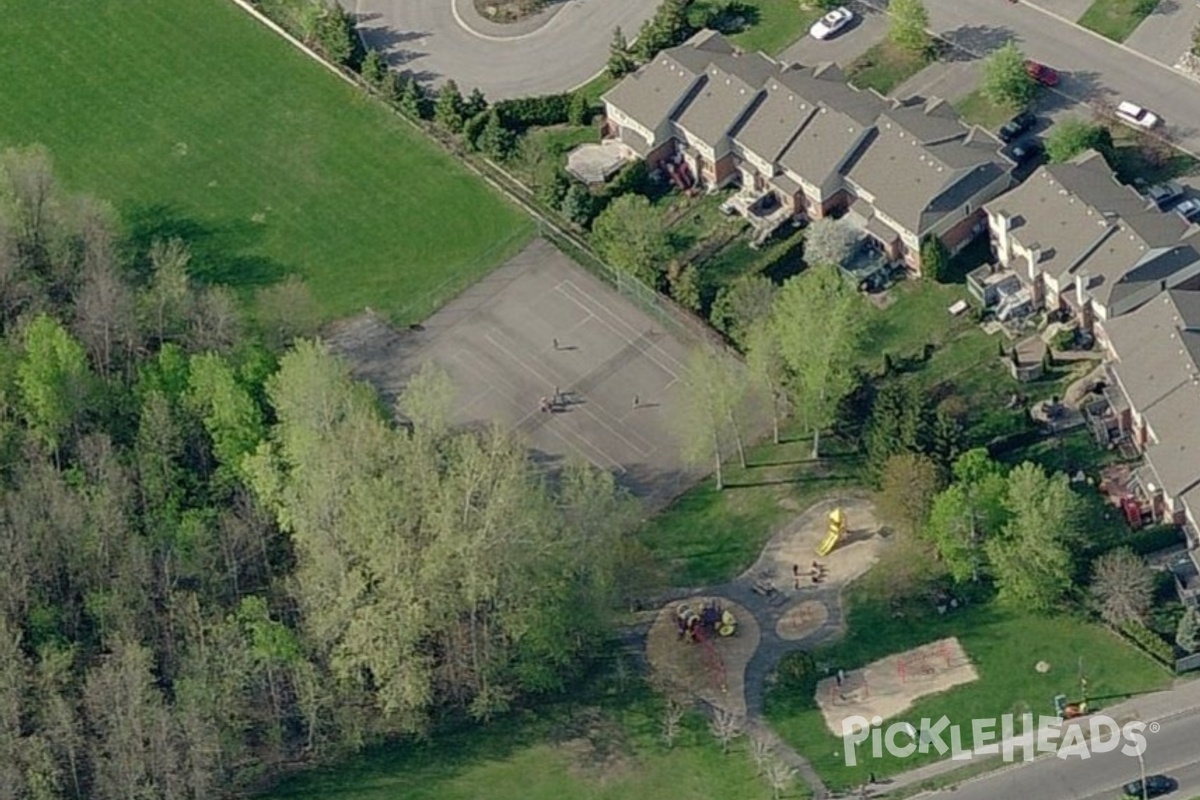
(193,119)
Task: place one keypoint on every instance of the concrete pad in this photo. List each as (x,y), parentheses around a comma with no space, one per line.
(888,687)
(1166,34)
(496,341)
(596,163)
(868,27)
(949,80)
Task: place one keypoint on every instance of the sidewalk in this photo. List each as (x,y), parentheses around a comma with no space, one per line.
(1183,698)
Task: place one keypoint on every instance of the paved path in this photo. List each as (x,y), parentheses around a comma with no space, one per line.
(440,39)
(868,27)
(1171,749)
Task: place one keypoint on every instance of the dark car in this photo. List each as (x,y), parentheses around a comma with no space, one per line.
(1156,786)
(1016,126)
(1164,194)
(1041,73)
(1026,150)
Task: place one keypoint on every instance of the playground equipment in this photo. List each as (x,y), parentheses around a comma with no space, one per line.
(1067,710)
(837,529)
(700,628)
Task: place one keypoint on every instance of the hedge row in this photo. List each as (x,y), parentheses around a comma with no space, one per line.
(1149,641)
(535,112)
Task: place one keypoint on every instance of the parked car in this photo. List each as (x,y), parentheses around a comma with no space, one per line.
(1156,786)
(831,23)
(1135,115)
(1026,150)
(1189,209)
(1163,194)
(1041,73)
(1022,122)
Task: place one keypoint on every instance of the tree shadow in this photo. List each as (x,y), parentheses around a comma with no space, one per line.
(219,254)
(971,42)
(1165,7)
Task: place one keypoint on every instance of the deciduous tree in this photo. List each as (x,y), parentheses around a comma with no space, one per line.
(1122,586)
(828,242)
(53,379)
(967,513)
(909,26)
(286,311)
(1005,79)
(909,484)
(742,303)
(1072,136)
(1187,635)
(630,236)
(709,423)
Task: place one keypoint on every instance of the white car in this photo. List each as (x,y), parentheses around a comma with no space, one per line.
(831,23)
(1135,115)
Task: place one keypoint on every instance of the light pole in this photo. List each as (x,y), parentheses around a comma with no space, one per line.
(1142,767)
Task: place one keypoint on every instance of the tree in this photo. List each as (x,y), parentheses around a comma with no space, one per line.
(1187,635)
(335,34)
(630,236)
(672,721)
(414,99)
(906,493)
(761,752)
(819,327)
(53,380)
(579,111)
(578,204)
(167,300)
(105,318)
(935,259)
(967,513)
(828,241)
(685,287)
(620,63)
(909,25)
(725,726)
(901,421)
(214,320)
(1005,80)
(1195,49)
(742,303)
(475,104)
(716,394)
(286,311)
(374,69)
(229,413)
(1031,558)
(1072,136)
(768,370)
(495,140)
(780,777)
(449,112)
(1122,586)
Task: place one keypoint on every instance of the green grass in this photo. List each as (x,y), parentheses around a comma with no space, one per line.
(194,120)
(1004,646)
(779,23)
(1116,19)
(1138,158)
(543,151)
(607,752)
(884,66)
(977,109)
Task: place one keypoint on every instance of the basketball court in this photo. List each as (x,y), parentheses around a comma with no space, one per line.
(541,333)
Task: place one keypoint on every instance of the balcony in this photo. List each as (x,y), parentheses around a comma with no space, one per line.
(762,209)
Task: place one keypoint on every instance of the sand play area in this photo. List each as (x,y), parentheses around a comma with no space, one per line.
(888,687)
(795,546)
(717,675)
(801,619)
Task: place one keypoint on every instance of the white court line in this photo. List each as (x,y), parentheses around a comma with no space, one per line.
(650,345)
(519,361)
(614,315)
(461,357)
(566,436)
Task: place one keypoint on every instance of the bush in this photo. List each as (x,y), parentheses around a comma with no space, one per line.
(798,677)
(633,177)
(1155,538)
(1149,642)
(529,112)
(1063,340)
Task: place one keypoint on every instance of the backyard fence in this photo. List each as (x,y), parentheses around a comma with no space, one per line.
(1187,663)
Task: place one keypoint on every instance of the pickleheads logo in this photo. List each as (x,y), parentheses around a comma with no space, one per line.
(999,736)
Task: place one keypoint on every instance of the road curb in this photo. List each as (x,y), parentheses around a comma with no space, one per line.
(1075,24)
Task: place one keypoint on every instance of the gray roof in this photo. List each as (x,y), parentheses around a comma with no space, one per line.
(1085,222)
(655,90)
(829,138)
(826,85)
(1175,420)
(715,109)
(917,185)
(774,121)
(929,122)
(1158,348)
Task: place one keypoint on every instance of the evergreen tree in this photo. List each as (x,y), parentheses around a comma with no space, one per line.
(374,71)
(414,100)
(449,110)
(475,104)
(620,63)
(495,140)
(1187,635)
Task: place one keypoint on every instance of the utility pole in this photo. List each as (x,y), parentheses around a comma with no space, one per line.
(1142,768)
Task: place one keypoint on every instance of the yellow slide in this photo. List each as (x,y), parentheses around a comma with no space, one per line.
(837,526)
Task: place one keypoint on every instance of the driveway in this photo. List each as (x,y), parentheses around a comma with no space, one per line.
(1166,34)
(440,39)
(1094,68)
(868,27)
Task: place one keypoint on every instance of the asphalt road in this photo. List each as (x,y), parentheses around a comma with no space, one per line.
(428,38)
(1173,750)
(1094,69)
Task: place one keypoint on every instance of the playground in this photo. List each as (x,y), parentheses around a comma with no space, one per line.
(542,347)
(702,655)
(889,687)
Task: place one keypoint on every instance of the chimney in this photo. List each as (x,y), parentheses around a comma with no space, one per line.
(1085,302)
(1035,258)
(1002,222)
(1081,284)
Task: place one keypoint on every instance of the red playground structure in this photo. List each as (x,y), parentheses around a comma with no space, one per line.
(700,628)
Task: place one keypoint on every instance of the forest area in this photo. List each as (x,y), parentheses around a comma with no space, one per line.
(224,556)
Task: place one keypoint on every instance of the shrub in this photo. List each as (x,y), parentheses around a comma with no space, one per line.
(1149,641)
(530,112)
(1155,538)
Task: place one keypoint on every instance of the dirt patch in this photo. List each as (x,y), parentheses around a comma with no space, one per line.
(596,746)
(796,544)
(508,10)
(888,687)
(714,672)
(801,620)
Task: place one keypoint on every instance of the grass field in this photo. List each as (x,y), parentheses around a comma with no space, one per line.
(611,751)
(1003,645)
(778,24)
(193,119)
(978,109)
(1116,19)
(885,66)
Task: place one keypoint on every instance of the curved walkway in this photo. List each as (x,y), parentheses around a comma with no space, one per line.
(559,49)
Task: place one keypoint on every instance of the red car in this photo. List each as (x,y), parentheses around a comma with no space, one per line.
(1041,73)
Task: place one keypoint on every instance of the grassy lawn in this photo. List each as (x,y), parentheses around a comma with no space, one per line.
(977,109)
(610,751)
(885,66)
(1116,19)
(778,24)
(1141,159)
(543,151)
(194,120)
(1004,646)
